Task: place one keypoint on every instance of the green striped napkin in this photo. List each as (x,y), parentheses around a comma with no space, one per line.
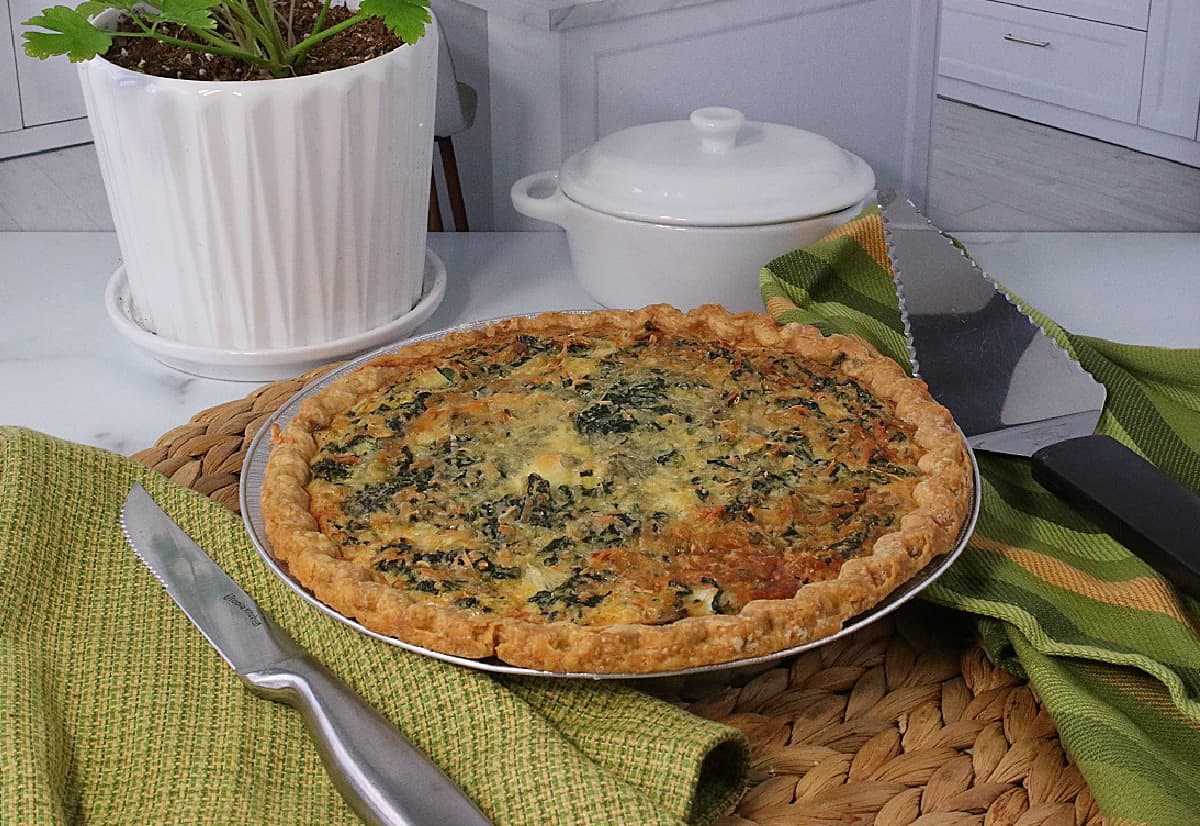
(1110,646)
(115,710)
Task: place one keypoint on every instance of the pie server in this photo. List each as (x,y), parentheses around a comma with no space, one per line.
(1012,389)
(382,776)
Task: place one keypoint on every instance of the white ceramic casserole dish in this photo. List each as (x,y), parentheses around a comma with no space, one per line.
(688,212)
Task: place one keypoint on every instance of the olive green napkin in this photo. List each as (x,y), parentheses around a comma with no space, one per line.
(1112,649)
(115,710)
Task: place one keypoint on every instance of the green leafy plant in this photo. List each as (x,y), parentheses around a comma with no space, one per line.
(258,32)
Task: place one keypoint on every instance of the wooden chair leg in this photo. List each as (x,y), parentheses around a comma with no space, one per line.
(458,207)
(435,209)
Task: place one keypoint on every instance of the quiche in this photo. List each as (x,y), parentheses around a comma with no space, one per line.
(617,491)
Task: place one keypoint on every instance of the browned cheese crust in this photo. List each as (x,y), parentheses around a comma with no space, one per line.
(750,566)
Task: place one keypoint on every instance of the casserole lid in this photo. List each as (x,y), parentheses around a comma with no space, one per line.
(716,169)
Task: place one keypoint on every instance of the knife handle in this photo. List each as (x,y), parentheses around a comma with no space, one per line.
(1133,501)
(384,778)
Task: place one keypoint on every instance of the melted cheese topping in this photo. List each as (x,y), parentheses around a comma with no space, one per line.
(571,478)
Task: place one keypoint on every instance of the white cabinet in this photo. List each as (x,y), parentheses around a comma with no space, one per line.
(1171,86)
(563,73)
(1129,13)
(41,105)
(1124,72)
(1080,64)
(10,98)
(49,89)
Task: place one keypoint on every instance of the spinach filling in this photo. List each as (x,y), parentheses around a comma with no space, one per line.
(738,448)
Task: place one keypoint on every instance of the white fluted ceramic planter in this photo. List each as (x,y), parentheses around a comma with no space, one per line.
(268,215)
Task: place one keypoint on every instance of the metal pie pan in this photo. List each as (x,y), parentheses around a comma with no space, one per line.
(254,469)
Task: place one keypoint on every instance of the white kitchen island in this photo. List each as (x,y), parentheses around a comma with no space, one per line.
(66,371)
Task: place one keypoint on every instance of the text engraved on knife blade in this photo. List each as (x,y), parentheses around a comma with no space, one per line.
(247,610)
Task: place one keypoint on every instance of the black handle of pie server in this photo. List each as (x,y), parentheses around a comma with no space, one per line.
(1132,500)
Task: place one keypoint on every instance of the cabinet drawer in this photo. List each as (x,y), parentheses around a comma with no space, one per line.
(1131,13)
(1075,63)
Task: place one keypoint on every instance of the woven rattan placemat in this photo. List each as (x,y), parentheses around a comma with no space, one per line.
(904,722)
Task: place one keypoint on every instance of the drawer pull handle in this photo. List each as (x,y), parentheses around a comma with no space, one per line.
(1012,38)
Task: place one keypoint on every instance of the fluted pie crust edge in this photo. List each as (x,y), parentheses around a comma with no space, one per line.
(930,528)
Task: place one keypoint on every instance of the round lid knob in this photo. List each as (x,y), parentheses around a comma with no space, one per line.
(716,169)
(718,127)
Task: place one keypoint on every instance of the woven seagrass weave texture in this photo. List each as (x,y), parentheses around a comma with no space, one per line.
(904,723)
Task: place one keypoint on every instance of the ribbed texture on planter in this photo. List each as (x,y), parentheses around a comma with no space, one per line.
(269,214)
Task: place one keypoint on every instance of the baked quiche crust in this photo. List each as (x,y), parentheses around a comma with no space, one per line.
(543,551)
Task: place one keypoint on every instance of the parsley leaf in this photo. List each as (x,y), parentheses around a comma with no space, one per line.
(195,14)
(70,33)
(406,18)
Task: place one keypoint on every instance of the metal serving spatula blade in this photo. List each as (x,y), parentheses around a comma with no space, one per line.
(1012,389)
(384,777)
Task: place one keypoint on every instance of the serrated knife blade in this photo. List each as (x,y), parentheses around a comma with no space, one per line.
(1012,389)
(380,774)
(224,613)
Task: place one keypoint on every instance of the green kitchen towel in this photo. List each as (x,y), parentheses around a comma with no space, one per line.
(115,710)
(1112,648)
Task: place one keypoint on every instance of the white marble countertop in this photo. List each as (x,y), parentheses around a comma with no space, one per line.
(66,371)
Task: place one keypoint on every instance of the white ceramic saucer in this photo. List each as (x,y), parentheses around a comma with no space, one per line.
(267,365)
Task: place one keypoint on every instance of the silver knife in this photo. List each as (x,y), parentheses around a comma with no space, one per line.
(384,778)
(1012,389)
